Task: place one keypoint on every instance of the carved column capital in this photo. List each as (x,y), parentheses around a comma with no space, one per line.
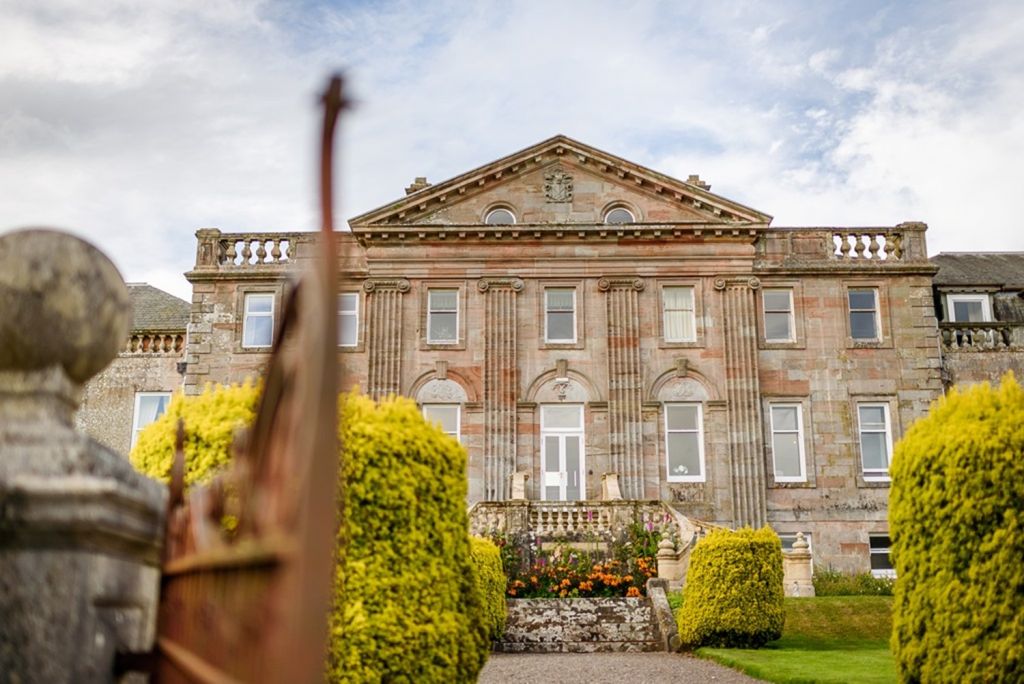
(485,284)
(400,284)
(752,282)
(605,284)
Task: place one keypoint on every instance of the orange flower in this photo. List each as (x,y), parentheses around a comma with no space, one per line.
(633,591)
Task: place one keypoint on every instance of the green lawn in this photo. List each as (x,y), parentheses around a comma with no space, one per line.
(826,639)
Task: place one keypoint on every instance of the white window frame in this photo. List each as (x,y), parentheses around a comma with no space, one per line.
(458,314)
(986,305)
(247,315)
(352,313)
(802,477)
(875,310)
(874,474)
(790,318)
(881,572)
(424,408)
(547,431)
(702,477)
(692,311)
(136,428)
(547,310)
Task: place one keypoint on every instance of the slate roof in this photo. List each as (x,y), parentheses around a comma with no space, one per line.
(1004,270)
(155,309)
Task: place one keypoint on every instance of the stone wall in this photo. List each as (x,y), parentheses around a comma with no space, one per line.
(108,400)
(580,625)
(970,366)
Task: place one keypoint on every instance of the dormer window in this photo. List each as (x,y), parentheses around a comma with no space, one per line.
(968,308)
(619,215)
(500,217)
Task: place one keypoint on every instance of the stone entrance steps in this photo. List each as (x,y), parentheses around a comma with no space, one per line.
(590,625)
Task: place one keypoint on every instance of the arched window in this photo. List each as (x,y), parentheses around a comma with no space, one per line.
(618,215)
(500,217)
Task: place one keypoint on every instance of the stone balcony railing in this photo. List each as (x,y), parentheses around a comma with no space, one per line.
(247,251)
(570,520)
(886,245)
(982,337)
(155,343)
(903,244)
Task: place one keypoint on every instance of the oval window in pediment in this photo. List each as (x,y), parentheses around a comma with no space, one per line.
(500,217)
(619,215)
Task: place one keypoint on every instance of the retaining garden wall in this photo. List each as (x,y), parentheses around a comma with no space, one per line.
(580,625)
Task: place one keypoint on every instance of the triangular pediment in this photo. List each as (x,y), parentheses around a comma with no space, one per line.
(561,181)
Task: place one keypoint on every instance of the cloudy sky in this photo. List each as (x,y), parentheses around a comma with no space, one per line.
(135,123)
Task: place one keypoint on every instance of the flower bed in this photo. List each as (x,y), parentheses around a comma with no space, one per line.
(580,568)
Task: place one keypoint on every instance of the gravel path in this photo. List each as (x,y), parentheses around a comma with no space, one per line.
(599,668)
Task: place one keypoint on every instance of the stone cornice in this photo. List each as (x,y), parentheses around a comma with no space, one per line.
(381,235)
(849,267)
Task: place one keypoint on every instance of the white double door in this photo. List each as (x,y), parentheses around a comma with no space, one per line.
(562,458)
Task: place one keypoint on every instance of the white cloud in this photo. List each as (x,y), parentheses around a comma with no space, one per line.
(135,124)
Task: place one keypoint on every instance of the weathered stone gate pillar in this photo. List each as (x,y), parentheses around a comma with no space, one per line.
(80,530)
(743,398)
(500,384)
(384,335)
(625,382)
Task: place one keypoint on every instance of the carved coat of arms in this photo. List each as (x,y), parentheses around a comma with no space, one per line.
(558,186)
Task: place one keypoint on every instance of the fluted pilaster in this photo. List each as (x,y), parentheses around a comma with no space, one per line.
(384,335)
(500,384)
(743,400)
(625,419)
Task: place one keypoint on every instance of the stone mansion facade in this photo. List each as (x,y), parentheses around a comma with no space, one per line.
(566,314)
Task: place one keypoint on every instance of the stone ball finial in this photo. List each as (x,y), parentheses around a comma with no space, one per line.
(63,302)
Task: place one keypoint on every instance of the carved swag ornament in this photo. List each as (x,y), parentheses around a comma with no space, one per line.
(558,186)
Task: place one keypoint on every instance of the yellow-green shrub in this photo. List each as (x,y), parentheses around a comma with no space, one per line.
(733,594)
(956,519)
(490,582)
(211,420)
(407,608)
(406,605)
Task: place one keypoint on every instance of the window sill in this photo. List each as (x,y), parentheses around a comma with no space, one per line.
(350,348)
(792,484)
(561,345)
(689,480)
(254,350)
(695,344)
(442,346)
(781,344)
(884,343)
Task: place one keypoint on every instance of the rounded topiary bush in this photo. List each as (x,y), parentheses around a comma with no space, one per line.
(211,421)
(956,519)
(407,606)
(733,596)
(490,581)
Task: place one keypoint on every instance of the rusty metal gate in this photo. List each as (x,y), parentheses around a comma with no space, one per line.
(248,602)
